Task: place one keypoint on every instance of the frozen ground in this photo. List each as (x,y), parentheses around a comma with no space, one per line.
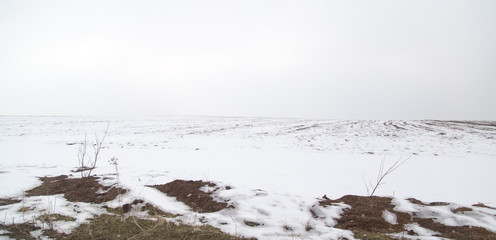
(277,167)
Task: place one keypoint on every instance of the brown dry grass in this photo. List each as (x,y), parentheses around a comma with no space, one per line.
(112,227)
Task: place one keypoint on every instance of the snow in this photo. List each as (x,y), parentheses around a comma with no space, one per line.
(41,205)
(426,234)
(277,168)
(445,214)
(389,217)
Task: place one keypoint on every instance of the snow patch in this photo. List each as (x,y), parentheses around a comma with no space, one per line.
(389,217)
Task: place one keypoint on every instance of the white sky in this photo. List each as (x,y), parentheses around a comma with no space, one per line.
(393,59)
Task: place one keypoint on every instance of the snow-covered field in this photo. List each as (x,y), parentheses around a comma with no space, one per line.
(277,168)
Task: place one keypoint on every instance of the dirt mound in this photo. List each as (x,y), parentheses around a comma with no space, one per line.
(366,214)
(464,232)
(86,189)
(190,193)
(365,219)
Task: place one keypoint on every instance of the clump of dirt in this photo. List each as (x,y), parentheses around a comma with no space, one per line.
(251,223)
(128,206)
(287,228)
(189,193)
(418,202)
(140,206)
(86,189)
(461,209)
(125,208)
(25,209)
(464,232)
(483,206)
(366,214)
(8,201)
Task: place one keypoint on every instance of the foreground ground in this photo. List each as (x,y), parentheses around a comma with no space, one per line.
(351,217)
(195,177)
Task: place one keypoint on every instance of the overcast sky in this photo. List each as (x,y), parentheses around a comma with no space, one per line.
(309,59)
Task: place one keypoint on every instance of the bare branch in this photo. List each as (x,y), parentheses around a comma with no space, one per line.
(86,162)
(381,174)
(82,155)
(97,147)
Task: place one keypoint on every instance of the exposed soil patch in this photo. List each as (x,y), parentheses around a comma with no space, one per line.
(190,193)
(139,205)
(25,209)
(480,123)
(464,232)
(461,209)
(483,205)
(128,206)
(8,201)
(251,224)
(365,219)
(418,202)
(155,211)
(366,214)
(86,189)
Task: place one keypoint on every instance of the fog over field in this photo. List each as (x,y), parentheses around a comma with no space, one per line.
(325,59)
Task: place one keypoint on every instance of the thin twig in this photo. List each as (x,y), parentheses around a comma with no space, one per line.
(382,174)
(97,147)
(82,155)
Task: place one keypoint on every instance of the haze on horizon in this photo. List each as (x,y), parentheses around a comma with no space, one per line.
(308,59)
